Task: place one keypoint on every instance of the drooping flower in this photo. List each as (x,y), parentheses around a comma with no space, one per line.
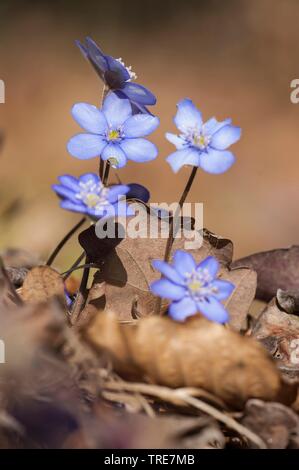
(201,144)
(113,133)
(89,196)
(117,76)
(139,192)
(192,287)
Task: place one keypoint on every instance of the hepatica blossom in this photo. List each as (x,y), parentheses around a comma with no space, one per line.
(199,144)
(117,76)
(113,133)
(89,196)
(192,287)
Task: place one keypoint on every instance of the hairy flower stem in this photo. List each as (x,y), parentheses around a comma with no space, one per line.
(101,169)
(64,240)
(173,230)
(74,265)
(106,174)
(81,296)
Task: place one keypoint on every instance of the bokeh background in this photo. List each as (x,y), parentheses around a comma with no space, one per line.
(234,58)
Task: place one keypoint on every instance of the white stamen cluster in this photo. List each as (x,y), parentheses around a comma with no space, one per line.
(93,195)
(132,74)
(197,138)
(198,283)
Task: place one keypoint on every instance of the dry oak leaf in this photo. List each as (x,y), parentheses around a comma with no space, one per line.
(279,333)
(276,269)
(197,353)
(41,284)
(275,423)
(127,271)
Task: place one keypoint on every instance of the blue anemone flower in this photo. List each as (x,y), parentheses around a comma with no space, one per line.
(192,287)
(89,196)
(117,76)
(113,133)
(201,144)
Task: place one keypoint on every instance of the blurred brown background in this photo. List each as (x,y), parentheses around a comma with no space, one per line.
(234,58)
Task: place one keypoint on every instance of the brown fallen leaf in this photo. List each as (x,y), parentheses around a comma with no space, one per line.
(279,333)
(239,302)
(288,300)
(127,272)
(276,424)
(276,269)
(197,353)
(41,284)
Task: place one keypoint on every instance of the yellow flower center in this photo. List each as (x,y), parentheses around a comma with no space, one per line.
(91,200)
(113,135)
(195,285)
(200,140)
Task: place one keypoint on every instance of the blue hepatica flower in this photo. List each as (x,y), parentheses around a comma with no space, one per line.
(113,133)
(116,76)
(201,144)
(192,287)
(89,196)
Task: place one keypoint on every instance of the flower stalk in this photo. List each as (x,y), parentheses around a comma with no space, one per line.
(172,229)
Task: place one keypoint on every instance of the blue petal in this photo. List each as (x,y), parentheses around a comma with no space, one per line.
(224,289)
(212,309)
(137,191)
(86,177)
(115,155)
(71,206)
(117,67)
(137,108)
(187,116)
(139,93)
(70,182)
(116,191)
(211,264)
(212,125)
(64,192)
(175,140)
(188,156)
(96,56)
(168,271)
(85,146)
(216,161)
(225,137)
(182,309)
(116,110)
(140,125)
(82,48)
(166,289)
(90,118)
(139,150)
(183,262)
